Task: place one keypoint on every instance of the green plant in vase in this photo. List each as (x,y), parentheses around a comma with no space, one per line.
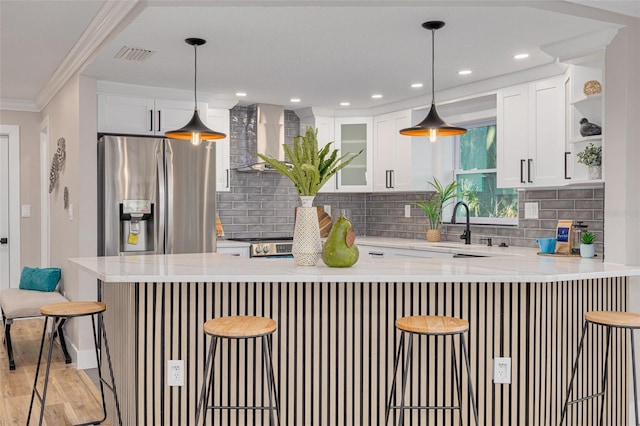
(587,249)
(591,157)
(434,205)
(311,169)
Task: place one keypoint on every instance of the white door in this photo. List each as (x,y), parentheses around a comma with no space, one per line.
(4,212)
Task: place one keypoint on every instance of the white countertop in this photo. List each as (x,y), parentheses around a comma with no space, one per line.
(504,265)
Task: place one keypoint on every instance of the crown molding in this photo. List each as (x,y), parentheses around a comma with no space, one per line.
(18,105)
(109,20)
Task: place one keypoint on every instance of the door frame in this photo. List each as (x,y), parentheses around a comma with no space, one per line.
(13,133)
(45,218)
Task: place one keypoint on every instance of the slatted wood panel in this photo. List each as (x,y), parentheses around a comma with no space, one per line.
(334,347)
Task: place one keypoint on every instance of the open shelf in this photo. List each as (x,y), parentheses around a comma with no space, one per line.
(586,139)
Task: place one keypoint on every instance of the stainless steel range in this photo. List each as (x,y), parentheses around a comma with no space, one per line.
(268,247)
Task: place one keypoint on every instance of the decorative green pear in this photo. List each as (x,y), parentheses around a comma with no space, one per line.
(340,250)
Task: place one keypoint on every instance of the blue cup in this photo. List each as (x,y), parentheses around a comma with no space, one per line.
(547,245)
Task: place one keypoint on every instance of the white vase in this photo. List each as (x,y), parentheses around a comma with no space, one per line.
(307,247)
(594,172)
(587,250)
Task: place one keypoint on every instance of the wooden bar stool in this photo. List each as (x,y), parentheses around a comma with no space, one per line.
(429,325)
(60,312)
(610,320)
(239,327)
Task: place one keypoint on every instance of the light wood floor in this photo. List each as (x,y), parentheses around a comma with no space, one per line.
(71,396)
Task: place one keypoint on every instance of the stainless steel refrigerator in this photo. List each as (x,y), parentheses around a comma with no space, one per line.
(155,196)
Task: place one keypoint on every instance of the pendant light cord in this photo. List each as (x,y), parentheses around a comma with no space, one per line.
(433,67)
(195,76)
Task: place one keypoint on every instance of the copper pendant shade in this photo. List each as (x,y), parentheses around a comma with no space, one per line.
(433,126)
(195,130)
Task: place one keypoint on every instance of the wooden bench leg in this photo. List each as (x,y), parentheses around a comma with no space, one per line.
(63,345)
(7,341)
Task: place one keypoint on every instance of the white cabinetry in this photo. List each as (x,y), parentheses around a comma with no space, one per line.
(218,119)
(352,135)
(581,106)
(234,251)
(392,152)
(531,134)
(143,116)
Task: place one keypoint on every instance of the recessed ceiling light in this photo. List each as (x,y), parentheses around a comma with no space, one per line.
(345,103)
(241,94)
(295,100)
(521,56)
(416,85)
(376,96)
(464,72)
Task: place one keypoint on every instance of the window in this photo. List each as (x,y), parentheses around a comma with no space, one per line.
(475,170)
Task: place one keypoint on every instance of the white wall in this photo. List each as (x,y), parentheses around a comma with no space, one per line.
(621,156)
(72,115)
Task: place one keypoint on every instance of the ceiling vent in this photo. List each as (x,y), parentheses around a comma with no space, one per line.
(134,54)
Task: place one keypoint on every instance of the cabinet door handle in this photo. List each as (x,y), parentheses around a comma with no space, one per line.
(159,122)
(151,120)
(376,254)
(4,241)
(522,171)
(228,177)
(391,179)
(529,170)
(337,175)
(566,168)
(386,179)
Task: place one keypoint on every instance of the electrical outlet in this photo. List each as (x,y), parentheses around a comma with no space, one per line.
(407,210)
(530,210)
(175,372)
(502,370)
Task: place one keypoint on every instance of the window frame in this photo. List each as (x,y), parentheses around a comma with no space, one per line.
(489,121)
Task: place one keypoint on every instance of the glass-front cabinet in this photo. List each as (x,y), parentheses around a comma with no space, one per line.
(352,135)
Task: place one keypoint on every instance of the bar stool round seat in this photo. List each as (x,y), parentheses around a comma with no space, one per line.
(239,327)
(429,325)
(432,324)
(609,320)
(614,319)
(72,309)
(59,314)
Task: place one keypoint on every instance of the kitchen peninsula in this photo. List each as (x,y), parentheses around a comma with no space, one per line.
(334,347)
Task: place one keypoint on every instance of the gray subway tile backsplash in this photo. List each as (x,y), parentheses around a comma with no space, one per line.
(263,204)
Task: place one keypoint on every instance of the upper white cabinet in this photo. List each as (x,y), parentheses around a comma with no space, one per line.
(531,134)
(218,120)
(392,152)
(582,105)
(143,116)
(352,135)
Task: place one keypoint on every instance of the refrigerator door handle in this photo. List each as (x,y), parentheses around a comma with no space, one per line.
(169,189)
(161,207)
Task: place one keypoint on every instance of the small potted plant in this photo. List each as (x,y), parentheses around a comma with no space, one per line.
(592,158)
(434,205)
(587,249)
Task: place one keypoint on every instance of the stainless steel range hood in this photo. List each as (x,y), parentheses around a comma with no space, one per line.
(265,135)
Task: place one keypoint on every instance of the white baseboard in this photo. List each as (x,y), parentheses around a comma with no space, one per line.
(85,359)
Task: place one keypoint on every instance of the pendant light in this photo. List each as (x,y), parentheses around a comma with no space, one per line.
(195,130)
(433,126)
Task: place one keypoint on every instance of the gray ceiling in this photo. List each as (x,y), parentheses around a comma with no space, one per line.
(322,54)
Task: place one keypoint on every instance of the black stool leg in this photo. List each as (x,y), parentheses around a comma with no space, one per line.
(635,377)
(35,382)
(207,379)
(605,375)
(63,344)
(7,341)
(393,383)
(474,405)
(275,390)
(405,374)
(270,378)
(113,380)
(457,377)
(573,372)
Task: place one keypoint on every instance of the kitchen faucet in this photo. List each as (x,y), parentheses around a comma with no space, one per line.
(466,235)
